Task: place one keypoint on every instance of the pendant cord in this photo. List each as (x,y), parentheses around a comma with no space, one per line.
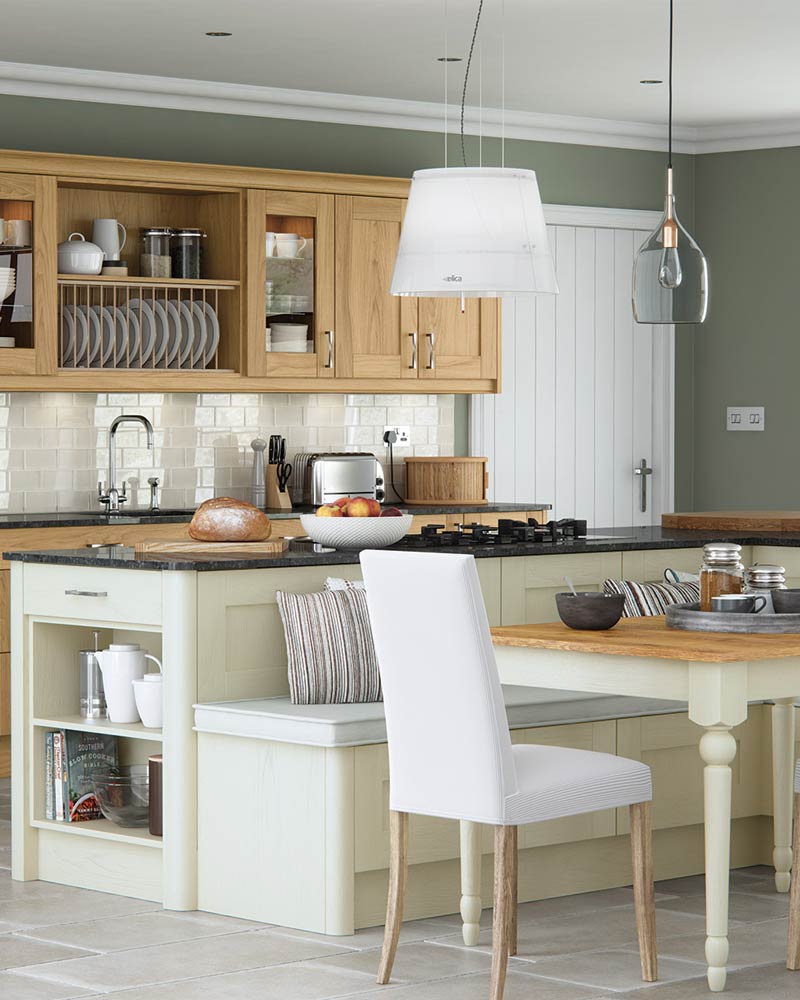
(466,78)
(671,19)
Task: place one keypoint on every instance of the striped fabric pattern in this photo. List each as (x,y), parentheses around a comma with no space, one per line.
(644,600)
(329,644)
(797,777)
(337,583)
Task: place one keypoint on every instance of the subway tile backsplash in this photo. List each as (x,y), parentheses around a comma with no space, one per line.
(54,446)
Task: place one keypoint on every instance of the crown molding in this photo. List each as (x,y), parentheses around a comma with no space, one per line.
(101,87)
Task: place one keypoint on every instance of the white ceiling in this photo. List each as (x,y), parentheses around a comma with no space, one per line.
(735,62)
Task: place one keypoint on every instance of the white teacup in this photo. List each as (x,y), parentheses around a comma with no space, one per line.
(149,695)
(289,244)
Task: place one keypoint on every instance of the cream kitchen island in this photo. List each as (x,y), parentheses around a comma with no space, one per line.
(214,623)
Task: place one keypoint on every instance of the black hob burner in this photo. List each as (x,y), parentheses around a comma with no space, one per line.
(507,532)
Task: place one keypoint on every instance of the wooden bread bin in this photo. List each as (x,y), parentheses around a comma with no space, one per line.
(447,480)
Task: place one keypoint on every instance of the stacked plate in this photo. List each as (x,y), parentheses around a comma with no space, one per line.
(8,282)
(143,333)
(288,338)
(288,303)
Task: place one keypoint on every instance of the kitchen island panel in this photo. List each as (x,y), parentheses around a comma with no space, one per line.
(648,565)
(530,583)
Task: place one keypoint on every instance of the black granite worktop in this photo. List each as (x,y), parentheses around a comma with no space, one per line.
(304,554)
(77,519)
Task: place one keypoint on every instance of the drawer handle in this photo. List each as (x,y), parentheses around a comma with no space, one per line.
(86,593)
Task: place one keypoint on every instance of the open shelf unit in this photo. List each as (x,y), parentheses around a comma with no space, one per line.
(102,829)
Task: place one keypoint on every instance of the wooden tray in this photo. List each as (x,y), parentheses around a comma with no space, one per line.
(189,547)
(690,618)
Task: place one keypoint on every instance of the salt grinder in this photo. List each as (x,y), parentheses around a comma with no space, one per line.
(259,489)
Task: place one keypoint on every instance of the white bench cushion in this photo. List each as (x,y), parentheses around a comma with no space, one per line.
(355,725)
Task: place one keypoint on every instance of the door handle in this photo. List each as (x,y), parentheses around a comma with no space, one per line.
(413,365)
(643,471)
(431,365)
(329,335)
(86,593)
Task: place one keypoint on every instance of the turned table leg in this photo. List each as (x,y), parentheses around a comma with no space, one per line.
(471,881)
(783,790)
(717,748)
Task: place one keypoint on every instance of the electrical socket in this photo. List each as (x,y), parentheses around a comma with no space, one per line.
(745,418)
(403,435)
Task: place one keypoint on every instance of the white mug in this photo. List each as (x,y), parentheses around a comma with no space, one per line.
(17,232)
(106,233)
(121,664)
(289,244)
(270,244)
(149,696)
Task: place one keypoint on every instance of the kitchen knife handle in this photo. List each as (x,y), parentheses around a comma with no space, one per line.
(329,335)
(432,352)
(413,365)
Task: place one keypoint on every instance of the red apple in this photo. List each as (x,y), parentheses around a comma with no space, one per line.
(374,508)
(358,507)
(341,502)
(391,512)
(328,510)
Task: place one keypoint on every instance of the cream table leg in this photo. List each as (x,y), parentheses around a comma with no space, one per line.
(783,789)
(471,882)
(717,748)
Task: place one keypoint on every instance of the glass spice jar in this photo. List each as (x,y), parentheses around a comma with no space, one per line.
(187,253)
(722,572)
(761,580)
(154,258)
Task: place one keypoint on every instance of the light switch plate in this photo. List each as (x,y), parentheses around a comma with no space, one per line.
(745,418)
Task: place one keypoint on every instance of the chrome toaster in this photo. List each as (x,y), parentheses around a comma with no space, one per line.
(325,476)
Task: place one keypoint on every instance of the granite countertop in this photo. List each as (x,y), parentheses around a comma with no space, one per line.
(77,519)
(303,554)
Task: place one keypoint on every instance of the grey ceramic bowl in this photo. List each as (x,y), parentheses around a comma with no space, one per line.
(786,602)
(589,610)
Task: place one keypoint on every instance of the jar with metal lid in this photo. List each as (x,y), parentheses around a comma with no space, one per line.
(722,572)
(187,253)
(762,579)
(154,257)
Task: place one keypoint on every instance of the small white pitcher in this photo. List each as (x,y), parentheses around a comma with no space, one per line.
(121,664)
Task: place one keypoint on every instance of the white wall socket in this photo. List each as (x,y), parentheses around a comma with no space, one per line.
(745,418)
(403,435)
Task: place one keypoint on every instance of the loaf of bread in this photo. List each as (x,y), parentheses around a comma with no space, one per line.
(224,519)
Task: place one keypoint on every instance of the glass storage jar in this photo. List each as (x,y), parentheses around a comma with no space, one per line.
(187,253)
(762,579)
(154,258)
(722,572)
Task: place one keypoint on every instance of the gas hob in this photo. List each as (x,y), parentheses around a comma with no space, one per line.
(507,532)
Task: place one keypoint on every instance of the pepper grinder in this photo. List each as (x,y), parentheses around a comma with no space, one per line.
(259,489)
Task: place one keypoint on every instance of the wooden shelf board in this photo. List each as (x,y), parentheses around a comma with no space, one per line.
(222,284)
(133,730)
(102,829)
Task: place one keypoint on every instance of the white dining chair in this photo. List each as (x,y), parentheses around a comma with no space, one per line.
(793,946)
(450,752)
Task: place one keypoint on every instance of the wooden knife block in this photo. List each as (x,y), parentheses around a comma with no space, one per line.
(276,498)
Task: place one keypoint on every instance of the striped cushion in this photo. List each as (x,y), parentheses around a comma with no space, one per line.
(329,644)
(643,600)
(337,583)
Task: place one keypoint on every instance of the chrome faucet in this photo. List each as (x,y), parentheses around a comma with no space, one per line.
(108,493)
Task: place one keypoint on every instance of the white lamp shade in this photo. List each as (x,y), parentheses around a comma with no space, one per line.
(476,232)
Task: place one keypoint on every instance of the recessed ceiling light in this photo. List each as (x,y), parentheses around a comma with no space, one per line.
(449,59)
(219,34)
(651,82)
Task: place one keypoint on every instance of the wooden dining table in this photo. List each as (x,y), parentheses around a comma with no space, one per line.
(717,674)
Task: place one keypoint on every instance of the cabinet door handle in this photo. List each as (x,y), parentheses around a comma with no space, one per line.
(329,335)
(413,364)
(431,365)
(86,593)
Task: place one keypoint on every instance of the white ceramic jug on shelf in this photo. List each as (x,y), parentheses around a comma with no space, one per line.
(121,664)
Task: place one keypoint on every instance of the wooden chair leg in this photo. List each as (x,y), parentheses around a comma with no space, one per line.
(398,876)
(503,840)
(644,889)
(514,880)
(793,948)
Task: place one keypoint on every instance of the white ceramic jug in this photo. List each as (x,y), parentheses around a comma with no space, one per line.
(121,664)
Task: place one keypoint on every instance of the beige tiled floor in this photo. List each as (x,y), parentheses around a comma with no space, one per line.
(58,943)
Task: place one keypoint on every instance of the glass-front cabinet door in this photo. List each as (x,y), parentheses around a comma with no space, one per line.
(290,285)
(27,274)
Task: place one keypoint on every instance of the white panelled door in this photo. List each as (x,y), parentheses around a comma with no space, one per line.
(587,393)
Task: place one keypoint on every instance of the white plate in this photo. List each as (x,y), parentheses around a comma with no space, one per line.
(81,335)
(67,338)
(107,337)
(147,329)
(201,335)
(212,332)
(176,336)
(128,321)
(162,323)
(188,330)
(94,334)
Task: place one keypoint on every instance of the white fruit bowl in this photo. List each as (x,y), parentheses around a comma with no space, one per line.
(356,532)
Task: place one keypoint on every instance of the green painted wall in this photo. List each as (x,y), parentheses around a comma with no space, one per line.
(748,351)
(568,174)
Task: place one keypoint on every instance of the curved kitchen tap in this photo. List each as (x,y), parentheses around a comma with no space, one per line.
(112,497)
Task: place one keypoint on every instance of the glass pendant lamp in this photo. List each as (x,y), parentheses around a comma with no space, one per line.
(472,232)
(670,272)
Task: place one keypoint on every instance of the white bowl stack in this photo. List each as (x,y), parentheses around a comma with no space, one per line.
(8,282)
(288,338)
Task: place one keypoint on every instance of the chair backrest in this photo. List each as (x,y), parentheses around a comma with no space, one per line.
(449,745)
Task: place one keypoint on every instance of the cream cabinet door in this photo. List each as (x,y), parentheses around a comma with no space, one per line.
(530,583)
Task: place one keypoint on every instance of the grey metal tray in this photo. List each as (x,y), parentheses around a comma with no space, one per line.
(690,618)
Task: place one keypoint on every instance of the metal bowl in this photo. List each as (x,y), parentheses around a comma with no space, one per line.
(589,610)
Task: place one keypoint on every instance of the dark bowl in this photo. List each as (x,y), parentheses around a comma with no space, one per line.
(590,610)
(786,602)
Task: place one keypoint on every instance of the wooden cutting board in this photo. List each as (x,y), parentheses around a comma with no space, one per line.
(735,520)
(184,547)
